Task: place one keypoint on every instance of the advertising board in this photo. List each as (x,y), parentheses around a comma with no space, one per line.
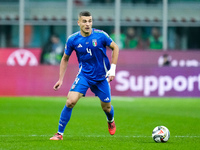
(138,74)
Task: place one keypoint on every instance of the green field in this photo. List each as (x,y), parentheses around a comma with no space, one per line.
(29,122)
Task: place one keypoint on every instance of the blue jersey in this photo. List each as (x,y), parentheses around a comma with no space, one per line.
(91,53)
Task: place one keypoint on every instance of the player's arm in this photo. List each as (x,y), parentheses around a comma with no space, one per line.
(63,68)
(115,53)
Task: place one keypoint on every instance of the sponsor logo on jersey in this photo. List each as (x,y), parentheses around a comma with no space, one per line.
(94,42)
(79,46)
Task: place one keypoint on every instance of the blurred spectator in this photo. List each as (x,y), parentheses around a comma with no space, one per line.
(155,40)
(164,60)
(122,39)
(78,2)
(131,41)
(52,51)
(28,32)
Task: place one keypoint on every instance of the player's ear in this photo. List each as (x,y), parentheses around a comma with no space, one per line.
(79,20)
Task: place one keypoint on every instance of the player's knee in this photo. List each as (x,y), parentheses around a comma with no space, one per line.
(70,103)
(106,109)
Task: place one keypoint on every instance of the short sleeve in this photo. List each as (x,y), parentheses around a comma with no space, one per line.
(69,46)
(107,40)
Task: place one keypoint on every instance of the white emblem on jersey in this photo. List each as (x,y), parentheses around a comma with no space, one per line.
(107,99)
(79,46)
(87,43)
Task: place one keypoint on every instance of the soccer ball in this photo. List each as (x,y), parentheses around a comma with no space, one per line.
(160,134)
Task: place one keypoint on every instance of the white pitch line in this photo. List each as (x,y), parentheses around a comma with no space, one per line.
(117,136)
(188,136)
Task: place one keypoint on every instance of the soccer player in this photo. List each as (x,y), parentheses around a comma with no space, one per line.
(95,71)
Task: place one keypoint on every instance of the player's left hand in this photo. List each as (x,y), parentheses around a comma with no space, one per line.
(111,73)
(110,78)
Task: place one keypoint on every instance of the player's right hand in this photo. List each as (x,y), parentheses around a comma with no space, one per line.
(57,85)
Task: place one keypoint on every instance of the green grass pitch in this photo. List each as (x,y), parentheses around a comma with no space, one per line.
(27,123)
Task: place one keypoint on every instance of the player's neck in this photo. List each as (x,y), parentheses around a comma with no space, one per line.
(85,34)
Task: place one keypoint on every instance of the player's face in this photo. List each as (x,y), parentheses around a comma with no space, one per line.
(85,23)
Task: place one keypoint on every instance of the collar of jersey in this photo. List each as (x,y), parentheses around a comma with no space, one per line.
(86,36)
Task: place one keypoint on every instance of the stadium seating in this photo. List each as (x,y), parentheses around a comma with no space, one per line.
(38,11)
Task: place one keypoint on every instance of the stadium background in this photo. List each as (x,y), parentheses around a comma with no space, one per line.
(26,25)
(148,94)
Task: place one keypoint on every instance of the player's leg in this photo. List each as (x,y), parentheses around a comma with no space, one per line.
(65,115)
(77,90)
(102,90)
(109,111)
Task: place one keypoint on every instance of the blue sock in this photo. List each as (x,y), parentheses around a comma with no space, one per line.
(64,119)
(110,115)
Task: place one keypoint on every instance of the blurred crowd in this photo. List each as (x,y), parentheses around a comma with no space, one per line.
(131,37)
(132,40)
(52,51)
(51,37)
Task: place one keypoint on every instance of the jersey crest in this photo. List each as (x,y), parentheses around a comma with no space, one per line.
(94,42)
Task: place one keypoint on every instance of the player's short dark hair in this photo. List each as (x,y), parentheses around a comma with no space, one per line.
(84,13)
